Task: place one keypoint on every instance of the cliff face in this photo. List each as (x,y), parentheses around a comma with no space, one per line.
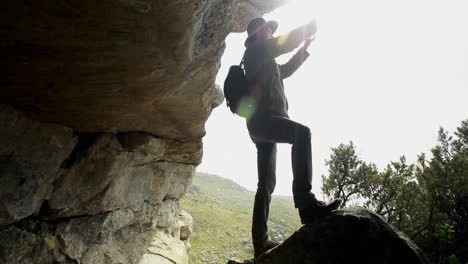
(102,111)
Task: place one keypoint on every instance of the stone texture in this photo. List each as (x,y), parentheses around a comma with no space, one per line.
(118,193)
(351,235)
(163,149)
(121,236)
(111,176)
(164,249)
(127,65)
(30,158)
(84,237)
(20,246)
(185,225)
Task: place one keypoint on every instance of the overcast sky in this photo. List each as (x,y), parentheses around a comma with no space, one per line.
(384,74)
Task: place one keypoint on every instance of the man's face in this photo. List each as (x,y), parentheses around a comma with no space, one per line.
(264,33)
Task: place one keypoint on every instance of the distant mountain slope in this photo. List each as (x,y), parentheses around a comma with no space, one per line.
(222,212)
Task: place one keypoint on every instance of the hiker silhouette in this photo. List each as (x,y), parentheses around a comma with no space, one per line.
(269,124)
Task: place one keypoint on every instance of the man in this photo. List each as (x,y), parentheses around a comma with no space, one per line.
(270,124)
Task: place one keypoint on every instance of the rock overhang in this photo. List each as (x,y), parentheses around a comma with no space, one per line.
(126,65)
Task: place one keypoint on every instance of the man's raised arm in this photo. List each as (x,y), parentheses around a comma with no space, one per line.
(289,41)
(296,61)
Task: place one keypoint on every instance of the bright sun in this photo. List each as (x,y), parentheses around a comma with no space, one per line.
(292,15)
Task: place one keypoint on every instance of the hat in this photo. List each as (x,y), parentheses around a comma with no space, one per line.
(255,25)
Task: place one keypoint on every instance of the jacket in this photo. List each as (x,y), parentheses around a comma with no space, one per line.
(266,77)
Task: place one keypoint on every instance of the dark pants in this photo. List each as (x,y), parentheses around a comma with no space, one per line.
(265,133)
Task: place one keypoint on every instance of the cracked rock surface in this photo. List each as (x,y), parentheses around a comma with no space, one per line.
(90,198)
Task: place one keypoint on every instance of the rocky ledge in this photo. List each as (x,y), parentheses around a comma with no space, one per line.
(351,235)
(91,198)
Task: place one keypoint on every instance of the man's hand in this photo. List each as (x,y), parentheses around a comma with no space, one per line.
(312,26)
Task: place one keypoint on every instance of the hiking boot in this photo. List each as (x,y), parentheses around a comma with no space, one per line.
(317,210)
(267,246)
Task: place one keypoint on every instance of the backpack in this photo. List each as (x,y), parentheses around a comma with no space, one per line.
(237,91)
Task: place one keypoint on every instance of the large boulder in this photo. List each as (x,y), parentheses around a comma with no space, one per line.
(351,235)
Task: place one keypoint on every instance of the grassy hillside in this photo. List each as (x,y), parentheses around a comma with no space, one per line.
(222,212)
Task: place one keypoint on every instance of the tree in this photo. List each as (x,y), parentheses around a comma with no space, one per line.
(346,174)
(392,192)
(427,200)
(444,181)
